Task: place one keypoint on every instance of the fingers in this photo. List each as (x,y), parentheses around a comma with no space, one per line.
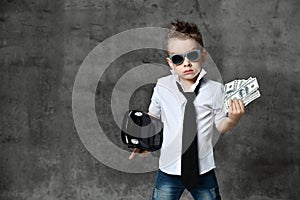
(241,106)
(141,153)
(230,106)
(135,150)
(234,106)
(236,109)
(144,154)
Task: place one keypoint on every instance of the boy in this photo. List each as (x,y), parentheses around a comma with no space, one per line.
(171,102)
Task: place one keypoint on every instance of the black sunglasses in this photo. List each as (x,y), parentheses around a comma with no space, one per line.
(178,59)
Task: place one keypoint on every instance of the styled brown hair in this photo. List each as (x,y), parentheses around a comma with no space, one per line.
(182,29)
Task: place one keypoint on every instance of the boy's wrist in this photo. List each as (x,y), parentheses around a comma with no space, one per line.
(232,121)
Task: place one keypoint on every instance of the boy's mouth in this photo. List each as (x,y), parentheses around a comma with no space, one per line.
(188,71)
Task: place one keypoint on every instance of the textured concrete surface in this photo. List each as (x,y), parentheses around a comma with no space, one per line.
(43,43)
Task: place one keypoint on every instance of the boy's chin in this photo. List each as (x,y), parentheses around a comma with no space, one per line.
(189,77)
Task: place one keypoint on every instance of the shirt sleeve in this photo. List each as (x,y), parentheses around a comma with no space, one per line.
(218,108)
(155,106)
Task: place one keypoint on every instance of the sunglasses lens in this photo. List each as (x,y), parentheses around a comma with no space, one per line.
(193,55)
(177,59)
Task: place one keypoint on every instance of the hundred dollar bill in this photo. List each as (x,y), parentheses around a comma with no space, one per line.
(252,97)
(246,90)
(230,87)
(233,86)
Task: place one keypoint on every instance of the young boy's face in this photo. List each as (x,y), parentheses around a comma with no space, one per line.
(187,70)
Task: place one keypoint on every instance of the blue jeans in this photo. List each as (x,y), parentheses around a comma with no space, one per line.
(169,187)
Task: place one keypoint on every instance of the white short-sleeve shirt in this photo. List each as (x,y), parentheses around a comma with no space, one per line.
(168,104)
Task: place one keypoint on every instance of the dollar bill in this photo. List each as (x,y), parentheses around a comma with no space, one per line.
(246,90)
(233,86)
(252,97)
(230,87)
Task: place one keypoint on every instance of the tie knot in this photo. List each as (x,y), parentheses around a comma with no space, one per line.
(190,96)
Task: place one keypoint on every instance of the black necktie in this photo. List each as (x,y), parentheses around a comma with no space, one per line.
(189,156)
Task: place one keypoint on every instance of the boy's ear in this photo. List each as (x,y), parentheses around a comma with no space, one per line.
(203,56)
(170,63)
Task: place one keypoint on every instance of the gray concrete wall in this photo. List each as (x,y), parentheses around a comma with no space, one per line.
(42,45)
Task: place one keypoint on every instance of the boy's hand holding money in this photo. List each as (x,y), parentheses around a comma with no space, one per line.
(236,110)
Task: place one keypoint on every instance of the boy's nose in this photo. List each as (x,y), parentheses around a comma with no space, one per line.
(187,62)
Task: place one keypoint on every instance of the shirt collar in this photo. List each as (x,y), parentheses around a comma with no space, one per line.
(201,75)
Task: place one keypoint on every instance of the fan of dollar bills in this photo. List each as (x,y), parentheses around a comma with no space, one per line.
(246,90)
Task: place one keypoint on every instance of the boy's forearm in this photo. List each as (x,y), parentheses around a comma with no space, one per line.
(225,125)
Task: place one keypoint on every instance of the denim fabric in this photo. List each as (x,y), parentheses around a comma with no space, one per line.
(169,187)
